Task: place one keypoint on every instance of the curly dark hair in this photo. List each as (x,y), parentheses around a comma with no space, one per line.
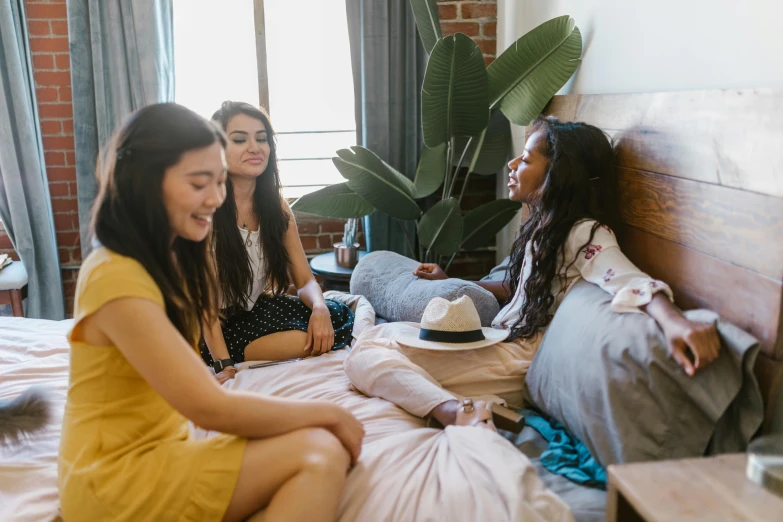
(579,184)
(233,264)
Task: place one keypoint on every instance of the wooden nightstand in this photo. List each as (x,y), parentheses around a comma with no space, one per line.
(709,489)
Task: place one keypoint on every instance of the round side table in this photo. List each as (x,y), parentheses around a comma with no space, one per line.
(335,277)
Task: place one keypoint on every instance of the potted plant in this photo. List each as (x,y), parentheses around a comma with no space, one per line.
(466,109)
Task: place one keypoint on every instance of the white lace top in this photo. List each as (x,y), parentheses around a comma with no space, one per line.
(600,262)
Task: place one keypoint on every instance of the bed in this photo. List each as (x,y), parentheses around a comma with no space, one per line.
(700,187)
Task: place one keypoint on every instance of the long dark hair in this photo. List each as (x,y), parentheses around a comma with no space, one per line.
(129,216)
(235,275)
(579,184)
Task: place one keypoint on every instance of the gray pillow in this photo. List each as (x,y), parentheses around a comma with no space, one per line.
(386,279)
(609,379)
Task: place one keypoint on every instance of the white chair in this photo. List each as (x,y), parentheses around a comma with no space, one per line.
(13,287)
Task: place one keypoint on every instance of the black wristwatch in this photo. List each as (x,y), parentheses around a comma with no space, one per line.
(222,364)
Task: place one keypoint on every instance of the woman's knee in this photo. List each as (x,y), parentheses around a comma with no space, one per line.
(323,452)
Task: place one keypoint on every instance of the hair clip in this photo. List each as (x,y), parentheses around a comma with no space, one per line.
(593,179)
(124,152)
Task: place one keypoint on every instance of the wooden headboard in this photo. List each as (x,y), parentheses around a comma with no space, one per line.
(700,190)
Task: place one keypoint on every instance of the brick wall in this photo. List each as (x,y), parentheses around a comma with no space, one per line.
(477,19)
(48,29)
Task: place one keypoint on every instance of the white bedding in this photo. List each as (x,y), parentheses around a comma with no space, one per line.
(407,472)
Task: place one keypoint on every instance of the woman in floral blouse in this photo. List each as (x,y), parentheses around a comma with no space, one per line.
(565,176)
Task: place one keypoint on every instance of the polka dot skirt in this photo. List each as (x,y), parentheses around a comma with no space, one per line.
(279,314)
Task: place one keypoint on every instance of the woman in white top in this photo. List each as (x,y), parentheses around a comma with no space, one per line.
(565,176)
(258,254)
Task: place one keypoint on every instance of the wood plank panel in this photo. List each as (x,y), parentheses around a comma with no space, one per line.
(769,373)
(741,227)
(729,138)
(742,297)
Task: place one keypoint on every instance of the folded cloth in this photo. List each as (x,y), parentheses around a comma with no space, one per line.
(566,454)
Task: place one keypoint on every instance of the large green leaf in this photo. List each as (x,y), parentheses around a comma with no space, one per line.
(430,172)
(440,228)
(378,183)
(335,201)
(494,151)
(427,21)
(526,76)
(454,93)
(481,224)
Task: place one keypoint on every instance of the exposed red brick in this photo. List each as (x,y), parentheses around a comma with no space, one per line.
(58,143)
(67,126)
(67,239)
(57,44)
(65,94)
(63,61)
(487,46)
(70,158)
(59,189)
(59,27)
(307,227)
(309,242)
(325,242)
(47,94)
(447,12)
(63,206)
(489,28)
(55,110)
(36,11)
(39,28)
(56,169)
(488,60)
(484,10)
(5,242)
(55,78)
(43,61)
(66,222)
(332,226)
(54,159)
(468,28)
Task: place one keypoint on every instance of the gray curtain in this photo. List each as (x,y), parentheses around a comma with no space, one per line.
(122,58)
(25,207)
(388,67)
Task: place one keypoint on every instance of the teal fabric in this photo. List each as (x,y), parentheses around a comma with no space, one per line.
(566,454)
(122,58)
(25,206)
(388,62)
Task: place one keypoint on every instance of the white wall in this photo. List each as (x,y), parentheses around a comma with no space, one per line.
(662,45)
(656,45)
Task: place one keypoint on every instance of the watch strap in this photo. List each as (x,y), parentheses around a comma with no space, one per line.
(222,364)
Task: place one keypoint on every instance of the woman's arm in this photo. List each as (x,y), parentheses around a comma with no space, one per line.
(320,333)
(171,367)
(603,263)
(433,272)
(216,344)
(686,339)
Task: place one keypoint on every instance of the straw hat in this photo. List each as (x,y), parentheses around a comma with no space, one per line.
(452,326)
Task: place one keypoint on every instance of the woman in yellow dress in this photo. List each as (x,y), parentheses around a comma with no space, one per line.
(135,373)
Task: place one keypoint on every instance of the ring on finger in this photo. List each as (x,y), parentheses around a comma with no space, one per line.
(467,405)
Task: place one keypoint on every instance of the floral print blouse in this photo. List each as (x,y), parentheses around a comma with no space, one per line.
(600,262)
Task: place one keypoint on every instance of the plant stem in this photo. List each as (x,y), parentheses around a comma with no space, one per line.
(447,177)
(464,186)
(448,265)
(407,237)
(459,165)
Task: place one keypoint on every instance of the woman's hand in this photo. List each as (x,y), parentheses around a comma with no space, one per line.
(226,374)
(430,271)
(693,345)
(347,429)
(320,333)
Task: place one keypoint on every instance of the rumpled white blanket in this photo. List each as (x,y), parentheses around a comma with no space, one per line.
(407,472)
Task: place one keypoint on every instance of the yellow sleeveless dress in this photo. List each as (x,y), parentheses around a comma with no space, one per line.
(125,453)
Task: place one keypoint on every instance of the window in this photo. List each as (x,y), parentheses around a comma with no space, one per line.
(308,67)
